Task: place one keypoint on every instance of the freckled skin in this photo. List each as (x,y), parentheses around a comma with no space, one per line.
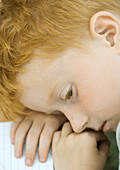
(96,77)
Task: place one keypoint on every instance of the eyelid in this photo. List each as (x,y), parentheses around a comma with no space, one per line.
(66,89)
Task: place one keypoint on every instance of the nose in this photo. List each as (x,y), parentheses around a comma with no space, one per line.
(80,124)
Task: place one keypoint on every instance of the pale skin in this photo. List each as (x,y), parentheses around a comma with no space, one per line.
(38,127)
(94,79)
(70,151)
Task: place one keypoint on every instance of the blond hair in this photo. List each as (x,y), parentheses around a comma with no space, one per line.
(51,25)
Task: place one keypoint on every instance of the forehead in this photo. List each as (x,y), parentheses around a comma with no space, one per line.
(44,72)
(49,66)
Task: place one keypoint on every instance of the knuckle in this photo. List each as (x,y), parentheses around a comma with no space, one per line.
(46,137)
(31,137)
(87,136)
(51,124)
(19,136)
(18,141)
(56,136)
(52,120)
(66,123)
(56,133)
(28,119)
(50,131)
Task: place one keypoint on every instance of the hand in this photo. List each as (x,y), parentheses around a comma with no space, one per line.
(73,151)
(38,127)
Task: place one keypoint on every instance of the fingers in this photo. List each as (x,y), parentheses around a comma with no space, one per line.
(45,141)
(20,136)
(14,127)
(99,136)
(104,149)
(55,140)
(66,130)
(56,137)
(32,141)
(93,137)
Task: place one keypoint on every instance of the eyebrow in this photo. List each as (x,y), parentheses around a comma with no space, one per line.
(51,92)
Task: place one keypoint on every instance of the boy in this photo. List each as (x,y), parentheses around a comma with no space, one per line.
(81,77)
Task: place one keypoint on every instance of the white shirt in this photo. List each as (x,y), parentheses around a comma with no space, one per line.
(118,141)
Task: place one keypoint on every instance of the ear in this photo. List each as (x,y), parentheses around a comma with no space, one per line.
(105,26)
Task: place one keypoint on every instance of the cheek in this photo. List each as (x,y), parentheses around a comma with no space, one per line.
(91,101)
(98,101)
(98,90)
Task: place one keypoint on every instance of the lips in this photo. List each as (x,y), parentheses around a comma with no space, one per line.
(103,127)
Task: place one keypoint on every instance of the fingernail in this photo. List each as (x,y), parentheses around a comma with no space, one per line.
(28,161)
(17,153)
(42,158)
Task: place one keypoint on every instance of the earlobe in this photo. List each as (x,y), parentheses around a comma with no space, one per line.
(105,26)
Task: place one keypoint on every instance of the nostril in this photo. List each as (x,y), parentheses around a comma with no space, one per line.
(79,129)
(84,125)
(76,128)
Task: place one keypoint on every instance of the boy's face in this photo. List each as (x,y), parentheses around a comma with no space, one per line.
(92,80)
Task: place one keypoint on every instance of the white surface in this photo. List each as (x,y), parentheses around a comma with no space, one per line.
(7,159)
(118,141)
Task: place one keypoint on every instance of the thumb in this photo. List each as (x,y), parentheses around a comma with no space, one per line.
(104,149)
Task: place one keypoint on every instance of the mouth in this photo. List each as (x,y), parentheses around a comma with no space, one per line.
(103,127)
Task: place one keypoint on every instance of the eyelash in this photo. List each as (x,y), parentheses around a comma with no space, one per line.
(69,92)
